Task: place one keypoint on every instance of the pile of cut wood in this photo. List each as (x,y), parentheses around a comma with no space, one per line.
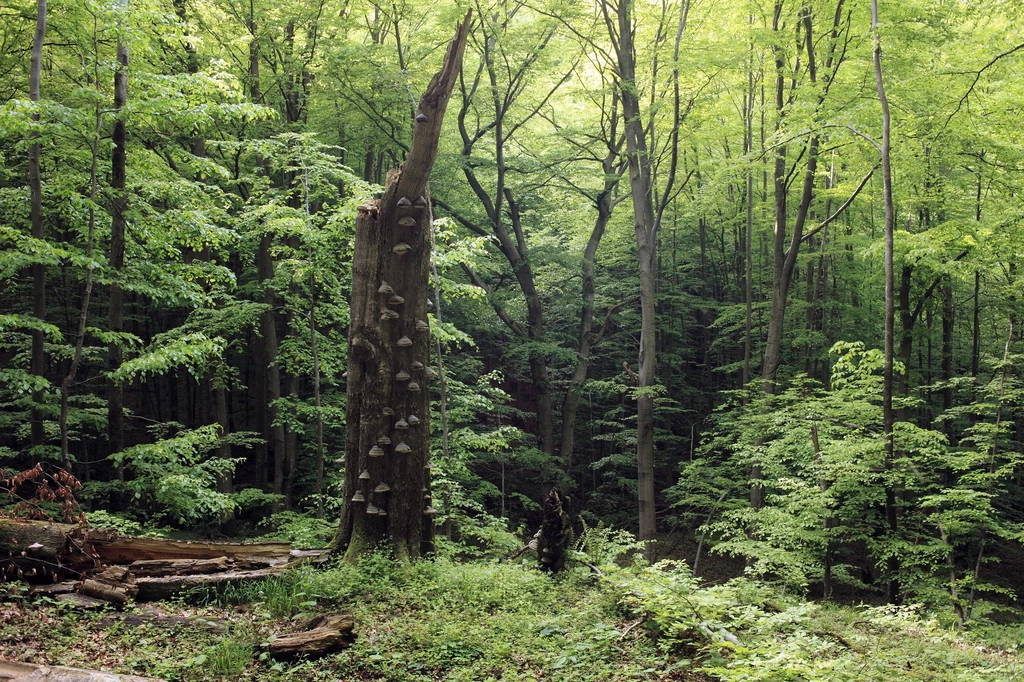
(95,565)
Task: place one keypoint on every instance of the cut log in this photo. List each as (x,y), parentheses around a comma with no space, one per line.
(27,672)
(328,634)
(115,594)
(114,584)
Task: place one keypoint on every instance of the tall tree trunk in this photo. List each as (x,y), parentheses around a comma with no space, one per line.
(35,185)
(748,254)
(265,347)
(641,189)
(783,259)
(69,378)
(513,246)
(976,327)
(387,453)
(893,586)
(268,332)
(571,401)
(119,198)
(947,344)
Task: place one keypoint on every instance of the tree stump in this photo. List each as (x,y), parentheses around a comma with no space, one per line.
(555,533)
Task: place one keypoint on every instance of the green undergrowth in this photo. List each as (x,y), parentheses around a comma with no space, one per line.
(446,620)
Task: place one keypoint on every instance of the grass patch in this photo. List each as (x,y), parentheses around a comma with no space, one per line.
(442,620)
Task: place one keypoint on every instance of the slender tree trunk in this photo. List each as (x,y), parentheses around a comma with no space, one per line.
(254,55)
(268,344)
(748,254)
(225,482)
(893,586)
(947,344)
(641,189)
(442,380)
(266,381)
(828,522)
(119,198)
(783,259)
(976,326)
(69,378)
(513,246)
(268,330)
(387,334)
(35,185)
(571,401)
(907,323)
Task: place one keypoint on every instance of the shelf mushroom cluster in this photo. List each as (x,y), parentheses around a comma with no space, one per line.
(375,496)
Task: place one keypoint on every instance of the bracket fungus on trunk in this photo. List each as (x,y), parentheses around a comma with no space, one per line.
(392,248)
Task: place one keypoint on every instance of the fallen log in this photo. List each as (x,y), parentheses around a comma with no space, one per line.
(156,568)
(59,547)
(124,550)
(153,589)
(161,568)
(327,634)
(26,672)
(76,547)
(217,626)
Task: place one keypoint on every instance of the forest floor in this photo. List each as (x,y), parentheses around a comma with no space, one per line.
(477,620)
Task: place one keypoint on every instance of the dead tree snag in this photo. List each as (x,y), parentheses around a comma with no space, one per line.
(387,447)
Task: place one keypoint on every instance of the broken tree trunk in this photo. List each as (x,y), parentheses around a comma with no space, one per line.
(322,636)
(57,547)
(115,569)
(387,445)
(115,584)
(78,547)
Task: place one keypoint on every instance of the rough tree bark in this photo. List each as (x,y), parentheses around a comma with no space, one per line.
(387,450)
